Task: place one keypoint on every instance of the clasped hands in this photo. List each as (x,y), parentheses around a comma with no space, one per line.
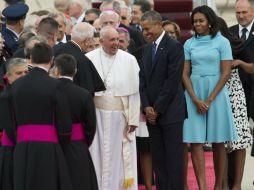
(202,106)
(151,115)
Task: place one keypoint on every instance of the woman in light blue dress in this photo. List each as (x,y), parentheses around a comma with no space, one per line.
(207,68)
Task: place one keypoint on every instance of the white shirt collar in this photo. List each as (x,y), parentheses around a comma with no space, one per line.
(80,18)
(64,40)
(248,28)
(66,77)
(159,39)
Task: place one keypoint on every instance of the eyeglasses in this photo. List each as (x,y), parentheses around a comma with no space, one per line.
(123,17)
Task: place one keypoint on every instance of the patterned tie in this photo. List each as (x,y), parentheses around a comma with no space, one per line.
(153,52)
(243,37)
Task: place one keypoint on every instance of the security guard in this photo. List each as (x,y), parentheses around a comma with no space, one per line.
(15,16)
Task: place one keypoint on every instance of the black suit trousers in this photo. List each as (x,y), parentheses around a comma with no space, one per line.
(167,154)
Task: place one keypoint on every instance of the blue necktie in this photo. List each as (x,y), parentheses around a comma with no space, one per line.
(243,37)
(153,52)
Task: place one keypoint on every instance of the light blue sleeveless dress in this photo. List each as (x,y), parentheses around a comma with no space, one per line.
(217,125)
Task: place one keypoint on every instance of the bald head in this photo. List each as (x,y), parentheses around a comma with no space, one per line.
(109,18)
(109,40)
(244,12)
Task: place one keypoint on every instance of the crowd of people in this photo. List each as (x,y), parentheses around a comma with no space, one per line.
(88,96)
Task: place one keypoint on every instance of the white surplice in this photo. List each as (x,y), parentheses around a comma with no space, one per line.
(120,73)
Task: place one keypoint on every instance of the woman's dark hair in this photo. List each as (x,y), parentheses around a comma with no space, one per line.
(210,16)
(235,42)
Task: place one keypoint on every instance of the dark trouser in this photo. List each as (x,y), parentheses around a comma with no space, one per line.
(167,153)
(231,169)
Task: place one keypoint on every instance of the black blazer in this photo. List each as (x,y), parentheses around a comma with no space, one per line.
(247,79)
(161,84)
(86,76)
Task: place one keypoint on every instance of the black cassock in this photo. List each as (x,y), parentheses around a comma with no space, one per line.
(6,150)
(87,75)
(39,164)
(78,157)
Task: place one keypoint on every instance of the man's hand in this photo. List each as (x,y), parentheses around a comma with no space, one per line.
(151,115)
(132,128)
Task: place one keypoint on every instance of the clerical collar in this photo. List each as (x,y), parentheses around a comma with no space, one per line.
(66,77)
(75,43)
(106,54)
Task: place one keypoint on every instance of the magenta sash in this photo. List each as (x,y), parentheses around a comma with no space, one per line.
(77,132)
(5,140)
(37,132)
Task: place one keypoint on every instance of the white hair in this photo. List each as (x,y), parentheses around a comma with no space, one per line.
(30,21)
(82,30)
(61,5)
(126,8)
(105,30)
(109,13)
(83,3)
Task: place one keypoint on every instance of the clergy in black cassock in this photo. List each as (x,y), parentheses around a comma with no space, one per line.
(82,110)
(86,76)
(16,68)
(43,127)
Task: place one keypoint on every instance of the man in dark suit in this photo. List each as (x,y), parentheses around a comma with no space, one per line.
(163,101)
(244,30)
(87,76)
(15,16)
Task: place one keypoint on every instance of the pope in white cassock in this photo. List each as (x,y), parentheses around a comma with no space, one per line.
(113,150)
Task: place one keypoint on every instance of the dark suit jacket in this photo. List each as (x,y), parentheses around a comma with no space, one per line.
(81,107)
(246,79)
(86,76)
(161,83)
(11,41)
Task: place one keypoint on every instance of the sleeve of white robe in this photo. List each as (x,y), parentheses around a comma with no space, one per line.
(134,109)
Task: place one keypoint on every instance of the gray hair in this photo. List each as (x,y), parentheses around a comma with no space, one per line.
(126,34)
(126,8)
(84,4)
(28,48)
(13,62)
(109,13)
(151,16)
(105,30)
(54,15)
(61,5)
(82,30)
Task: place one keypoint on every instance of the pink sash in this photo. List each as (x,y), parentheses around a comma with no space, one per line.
(5,140)
(38,133)
(77,132)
